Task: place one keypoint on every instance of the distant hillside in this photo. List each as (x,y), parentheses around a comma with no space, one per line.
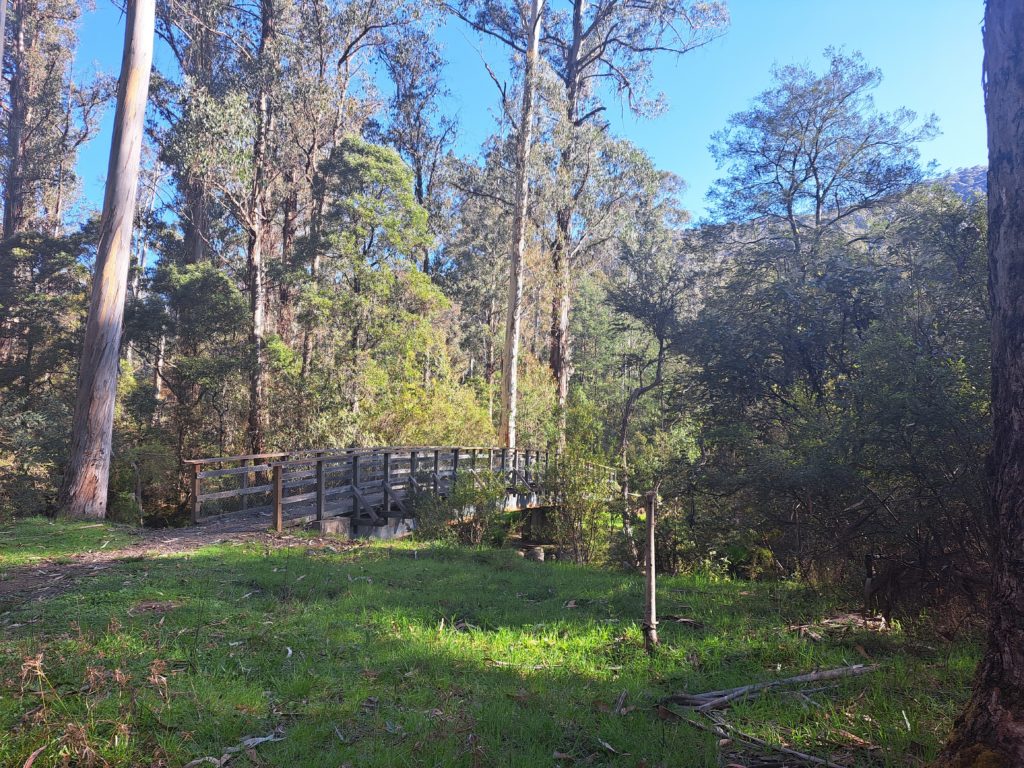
(968,182)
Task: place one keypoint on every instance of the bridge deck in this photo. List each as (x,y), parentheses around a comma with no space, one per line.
(369,487)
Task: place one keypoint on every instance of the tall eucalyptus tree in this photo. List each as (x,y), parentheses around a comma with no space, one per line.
(84,490)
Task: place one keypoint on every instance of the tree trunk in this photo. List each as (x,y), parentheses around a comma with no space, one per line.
(257,339)
(289,229)
(196,220)
(258,221)
(84,490)
(560,352)
(3,28)
(14,184)
(158,377)
(991,730)
(514,317)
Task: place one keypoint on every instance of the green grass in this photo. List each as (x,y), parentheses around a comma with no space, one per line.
(368,657)
(28,540)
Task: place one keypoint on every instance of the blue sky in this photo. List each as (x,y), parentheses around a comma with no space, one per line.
(929,52)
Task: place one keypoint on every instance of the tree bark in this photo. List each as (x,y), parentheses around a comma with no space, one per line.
(84,490)
(990,732)
(258,222)
(560,352)
(514,317)
(14,183)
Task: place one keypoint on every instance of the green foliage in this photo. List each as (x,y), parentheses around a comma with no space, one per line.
(581,520)
(375,217)
(469,514)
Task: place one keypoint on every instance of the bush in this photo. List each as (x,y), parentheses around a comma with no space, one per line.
(469,514)
(581,520)
(123,508)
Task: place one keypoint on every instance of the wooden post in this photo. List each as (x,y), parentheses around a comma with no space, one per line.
(650,602)
(504,460)
(455,465)
(245,486)
(437,470)
(355,483)
(387,483)
(197,505)
(527,472)
(278,498)
(321,487)
(413,461)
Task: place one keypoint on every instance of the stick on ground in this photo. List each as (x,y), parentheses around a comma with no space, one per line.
(709,700)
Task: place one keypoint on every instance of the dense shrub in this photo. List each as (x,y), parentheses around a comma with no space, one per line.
(469,514)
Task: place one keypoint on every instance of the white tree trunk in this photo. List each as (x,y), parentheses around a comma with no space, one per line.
(84,490)
(513,320)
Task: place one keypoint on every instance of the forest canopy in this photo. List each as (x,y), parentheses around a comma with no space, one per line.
(314,264)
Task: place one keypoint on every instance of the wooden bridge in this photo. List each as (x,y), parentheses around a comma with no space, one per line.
(359,491)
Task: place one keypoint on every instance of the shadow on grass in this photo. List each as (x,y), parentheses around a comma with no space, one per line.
(458,657)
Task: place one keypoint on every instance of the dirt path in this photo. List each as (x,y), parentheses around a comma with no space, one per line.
(45,578)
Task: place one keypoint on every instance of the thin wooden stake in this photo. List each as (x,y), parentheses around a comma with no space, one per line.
(650,599)
(278,499)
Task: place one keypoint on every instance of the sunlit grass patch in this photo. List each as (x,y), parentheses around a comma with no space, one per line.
(373,657)
(30,539)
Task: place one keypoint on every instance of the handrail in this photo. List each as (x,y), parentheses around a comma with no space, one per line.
(303,467)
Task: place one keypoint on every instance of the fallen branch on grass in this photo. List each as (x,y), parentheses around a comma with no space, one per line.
(720,728)
(709,700)
(246,744)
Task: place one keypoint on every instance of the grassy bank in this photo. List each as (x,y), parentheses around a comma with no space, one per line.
(33,539)
(367,656)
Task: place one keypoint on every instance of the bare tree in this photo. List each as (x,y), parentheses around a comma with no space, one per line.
(991,730)
(84,490)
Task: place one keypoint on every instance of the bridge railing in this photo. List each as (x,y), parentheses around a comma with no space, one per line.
(364,483)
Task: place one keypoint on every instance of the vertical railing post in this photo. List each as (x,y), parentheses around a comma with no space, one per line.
(504,463)
(437,472)
(355,483)
(278,498)
(529,479)
(387,483)
(413,461)
(245,485)
(455,465)
(321,487)
(197,505)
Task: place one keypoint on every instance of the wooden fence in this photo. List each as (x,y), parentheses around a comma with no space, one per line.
(367,485)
